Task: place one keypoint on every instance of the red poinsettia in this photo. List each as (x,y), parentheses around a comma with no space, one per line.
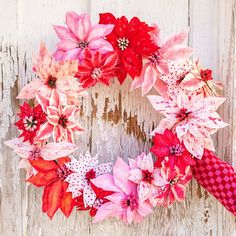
(30,120)
(168,144)
(100,199)
(97,67)
(131,40)
(51,175)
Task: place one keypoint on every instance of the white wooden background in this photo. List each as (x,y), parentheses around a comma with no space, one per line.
(115,119)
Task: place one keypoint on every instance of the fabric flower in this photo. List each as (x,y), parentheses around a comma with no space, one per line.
(49,151)
(157,62)
(84,170)
(51,175)
(31,118)
(80,34)
(175,186)
(147,177)
(96,68)
(131,40)
(61,118)
(168,145)
(124,202)
(53,75)
(193,118)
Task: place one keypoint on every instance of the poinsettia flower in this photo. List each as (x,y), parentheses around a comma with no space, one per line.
(193,118)
(131,40)
(96,68)
(49,151)
(31,118)
(147,177)
(176,183)
(51,175)
(61,118)
(80,34)
(157,63)
(53,75)
(84,170)
(168,144)
(124,202)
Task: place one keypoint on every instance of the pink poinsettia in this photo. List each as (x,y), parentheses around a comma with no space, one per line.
(84,170)
(97,68)
(147,177)
(124,202)
(157,63)
(80,34)
(193,118)
(53,75)
(175,186)
(49,151)
(61,118)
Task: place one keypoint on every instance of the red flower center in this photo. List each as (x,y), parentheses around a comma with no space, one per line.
(155,58)
(82,44)
(147,176)
(183,114)
(206,75)
(30,123)
(63,172)
(97,73)
(129,201)
(176,150)
(91,174)
(63,121)
(51,82)
(35,153)
(122,43)
(173,181)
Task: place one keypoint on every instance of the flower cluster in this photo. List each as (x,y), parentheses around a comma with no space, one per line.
(88,54)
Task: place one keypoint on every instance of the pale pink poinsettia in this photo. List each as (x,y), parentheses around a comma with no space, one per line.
(61,118)
(176,183)
(157,64)
(147,177)
(124,202)
(193,118)
(53,75)
(80,34)
(49,151)
(83,171)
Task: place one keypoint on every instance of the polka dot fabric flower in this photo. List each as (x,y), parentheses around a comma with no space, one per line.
(88,54)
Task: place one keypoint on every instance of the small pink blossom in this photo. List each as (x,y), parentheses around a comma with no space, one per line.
(80,34)
(193,118)
(84,170)
(124,202)
(61,118)
(148,179)
(157,64)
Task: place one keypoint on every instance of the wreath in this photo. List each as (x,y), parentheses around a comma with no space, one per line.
(188,99)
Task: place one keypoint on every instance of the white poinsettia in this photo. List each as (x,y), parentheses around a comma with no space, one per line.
(83,171)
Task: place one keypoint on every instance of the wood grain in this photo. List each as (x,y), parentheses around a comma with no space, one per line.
(116,120)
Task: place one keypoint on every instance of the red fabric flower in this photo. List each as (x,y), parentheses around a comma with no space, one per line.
(168,144)
(100,199)
(96,68)
(52,174)
(30,120)
(131,40)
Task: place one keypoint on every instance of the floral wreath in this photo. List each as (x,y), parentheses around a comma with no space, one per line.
(182,146)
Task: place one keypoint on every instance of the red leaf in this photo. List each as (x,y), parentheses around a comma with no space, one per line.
(63,160)
(42,166)
(107,18)
(45,199)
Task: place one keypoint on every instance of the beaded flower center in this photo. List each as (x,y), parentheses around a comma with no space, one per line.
(129,201)
(63,121)
(97,73)
(147,176)
(30,123)
(91,174)
(206,75)
(173,181)
(63,172)
(176,150)
(82,44)
(51,82)
(155,58)
(123,43)
(35,153)
(183,114)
